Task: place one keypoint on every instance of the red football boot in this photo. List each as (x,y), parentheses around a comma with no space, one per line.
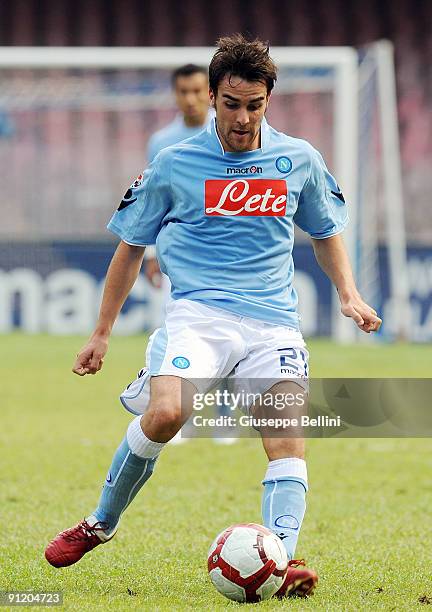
(299,581)
(69,546)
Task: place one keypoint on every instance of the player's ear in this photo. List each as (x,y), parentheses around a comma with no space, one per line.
(212,98)
(267,101)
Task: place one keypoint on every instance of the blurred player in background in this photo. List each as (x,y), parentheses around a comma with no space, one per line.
(190,84)
(226,243)
(191,89)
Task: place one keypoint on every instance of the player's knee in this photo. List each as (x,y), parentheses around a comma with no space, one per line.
(165,415)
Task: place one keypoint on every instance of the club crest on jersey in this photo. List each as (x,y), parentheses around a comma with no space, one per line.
(283,164)
(246,197)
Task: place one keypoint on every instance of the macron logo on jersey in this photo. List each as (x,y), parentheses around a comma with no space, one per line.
(251,170)
(246,197)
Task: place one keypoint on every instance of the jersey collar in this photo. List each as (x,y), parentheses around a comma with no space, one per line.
(217,145)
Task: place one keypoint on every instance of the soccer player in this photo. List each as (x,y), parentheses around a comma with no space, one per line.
(226,244)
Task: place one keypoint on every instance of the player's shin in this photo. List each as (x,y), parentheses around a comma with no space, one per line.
(284,499)
(131,467)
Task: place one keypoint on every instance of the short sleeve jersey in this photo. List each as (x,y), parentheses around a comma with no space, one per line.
(223,222)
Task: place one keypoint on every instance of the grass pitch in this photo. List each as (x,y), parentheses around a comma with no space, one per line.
(367,530)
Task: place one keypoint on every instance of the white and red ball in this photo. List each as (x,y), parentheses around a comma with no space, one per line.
(247,562)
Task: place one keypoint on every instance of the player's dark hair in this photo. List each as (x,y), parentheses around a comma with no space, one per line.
(247,59)
(187,70)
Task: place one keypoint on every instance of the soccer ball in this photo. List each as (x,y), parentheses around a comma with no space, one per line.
(247,562)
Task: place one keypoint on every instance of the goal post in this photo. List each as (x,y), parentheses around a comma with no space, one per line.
(344,84)
(394,207)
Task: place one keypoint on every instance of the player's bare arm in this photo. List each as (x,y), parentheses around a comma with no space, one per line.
(333,258)
(122,273)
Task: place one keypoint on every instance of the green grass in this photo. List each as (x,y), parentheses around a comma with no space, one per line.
(367,530)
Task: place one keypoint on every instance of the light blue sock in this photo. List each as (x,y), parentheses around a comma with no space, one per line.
(284,500)
(125,478)
(131,467)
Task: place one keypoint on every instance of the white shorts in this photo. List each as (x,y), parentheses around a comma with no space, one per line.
(204,344)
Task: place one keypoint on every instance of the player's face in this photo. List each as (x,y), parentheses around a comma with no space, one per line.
(192,97)
(240,106)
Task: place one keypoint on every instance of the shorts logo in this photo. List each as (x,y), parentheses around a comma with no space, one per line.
(286,361)
(293,362)
(246,197)
(284,164)
(251,170)
(181,362)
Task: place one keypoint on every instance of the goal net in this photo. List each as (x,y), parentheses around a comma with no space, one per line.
(74,125)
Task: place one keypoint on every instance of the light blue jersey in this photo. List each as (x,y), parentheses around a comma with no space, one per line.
(223,222)
(174,132)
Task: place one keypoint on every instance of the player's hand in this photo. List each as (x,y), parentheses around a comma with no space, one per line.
(363,315)
(153,272)
(90,358)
